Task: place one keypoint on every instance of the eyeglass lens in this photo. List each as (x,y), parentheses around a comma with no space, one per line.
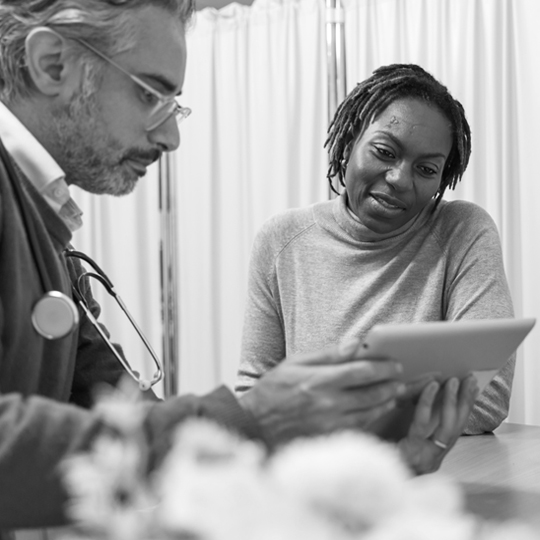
(164,111)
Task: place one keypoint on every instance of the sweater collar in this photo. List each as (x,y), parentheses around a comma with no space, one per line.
(359,232)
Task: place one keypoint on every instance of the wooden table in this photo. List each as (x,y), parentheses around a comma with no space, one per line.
(499,473)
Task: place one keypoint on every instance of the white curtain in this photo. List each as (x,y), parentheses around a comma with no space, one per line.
(256,81)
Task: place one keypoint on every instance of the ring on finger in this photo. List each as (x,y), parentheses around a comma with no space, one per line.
(439,444)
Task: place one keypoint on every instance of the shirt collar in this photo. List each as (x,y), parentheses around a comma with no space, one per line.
(39,167)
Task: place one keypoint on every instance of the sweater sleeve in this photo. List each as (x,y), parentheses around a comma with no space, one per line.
(263,339)
(477,289)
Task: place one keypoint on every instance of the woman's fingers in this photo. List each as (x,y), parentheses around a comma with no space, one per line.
(415,387)
(446,431)
(440,418)
(458,400)
(469,392)
(424,413)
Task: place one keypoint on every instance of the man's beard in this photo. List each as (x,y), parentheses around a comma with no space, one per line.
(89,156)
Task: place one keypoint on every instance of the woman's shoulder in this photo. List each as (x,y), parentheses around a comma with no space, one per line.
(463,222)
(286,225)
(464,213)
(291,218)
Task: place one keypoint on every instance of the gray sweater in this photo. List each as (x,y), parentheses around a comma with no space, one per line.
(318,277)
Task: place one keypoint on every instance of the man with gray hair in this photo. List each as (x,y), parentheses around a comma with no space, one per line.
(88,97)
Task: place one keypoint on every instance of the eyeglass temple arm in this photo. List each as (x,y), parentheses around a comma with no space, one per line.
(97,52)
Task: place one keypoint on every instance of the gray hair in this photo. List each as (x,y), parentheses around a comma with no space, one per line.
(106,24)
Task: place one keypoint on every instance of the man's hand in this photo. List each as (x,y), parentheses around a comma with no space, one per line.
(439,419)
(323,392)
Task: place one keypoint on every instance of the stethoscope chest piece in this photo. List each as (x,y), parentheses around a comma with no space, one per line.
(55,315)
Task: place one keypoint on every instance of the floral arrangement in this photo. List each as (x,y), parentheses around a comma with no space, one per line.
(213,485)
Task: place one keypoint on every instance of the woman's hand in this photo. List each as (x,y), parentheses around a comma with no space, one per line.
(439,419)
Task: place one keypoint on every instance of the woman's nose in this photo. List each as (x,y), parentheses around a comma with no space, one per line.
(399,176)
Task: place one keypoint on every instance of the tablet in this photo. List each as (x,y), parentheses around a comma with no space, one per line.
(442,349)
(447,349)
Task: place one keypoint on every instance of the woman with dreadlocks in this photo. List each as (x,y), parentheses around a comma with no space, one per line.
(389,249)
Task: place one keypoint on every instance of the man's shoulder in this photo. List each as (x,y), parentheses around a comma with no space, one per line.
(5,191)
(4,178)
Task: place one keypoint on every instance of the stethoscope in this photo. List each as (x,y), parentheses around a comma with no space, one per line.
(55,315)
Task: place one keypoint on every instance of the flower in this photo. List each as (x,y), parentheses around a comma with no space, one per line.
(108,489)
(121,407)
(352,478)
(212,472)
(214,485)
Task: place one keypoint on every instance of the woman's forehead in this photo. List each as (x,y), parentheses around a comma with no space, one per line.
(414,121)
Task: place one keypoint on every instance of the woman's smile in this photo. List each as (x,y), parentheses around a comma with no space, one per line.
(387,202)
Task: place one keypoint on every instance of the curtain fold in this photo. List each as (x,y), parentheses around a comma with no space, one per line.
(256,80)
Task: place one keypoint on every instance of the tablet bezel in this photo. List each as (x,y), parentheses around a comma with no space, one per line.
(448,348)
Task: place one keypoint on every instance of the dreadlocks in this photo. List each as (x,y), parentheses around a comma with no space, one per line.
(369,99)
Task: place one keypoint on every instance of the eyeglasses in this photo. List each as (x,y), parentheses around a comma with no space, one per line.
(162,107)
(78,295)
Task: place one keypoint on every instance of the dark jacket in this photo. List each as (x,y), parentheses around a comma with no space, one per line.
(46,386)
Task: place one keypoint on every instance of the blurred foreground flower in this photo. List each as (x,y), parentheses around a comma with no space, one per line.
(215,486)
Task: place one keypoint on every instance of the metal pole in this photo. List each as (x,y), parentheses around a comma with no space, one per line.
(335,60)
(168,267)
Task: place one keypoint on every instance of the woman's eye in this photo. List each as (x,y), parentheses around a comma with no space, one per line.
(384,152)
(427,171)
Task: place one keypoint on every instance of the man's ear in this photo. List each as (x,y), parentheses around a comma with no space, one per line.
(47,60)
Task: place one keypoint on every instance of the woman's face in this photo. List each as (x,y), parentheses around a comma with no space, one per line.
(395,167)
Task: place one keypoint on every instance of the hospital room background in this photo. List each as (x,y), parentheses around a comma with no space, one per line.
(261,83)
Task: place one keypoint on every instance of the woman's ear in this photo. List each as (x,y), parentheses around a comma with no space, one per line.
(346,155)
(47,61)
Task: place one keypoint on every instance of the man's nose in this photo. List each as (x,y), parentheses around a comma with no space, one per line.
(400,176)
(166,136)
